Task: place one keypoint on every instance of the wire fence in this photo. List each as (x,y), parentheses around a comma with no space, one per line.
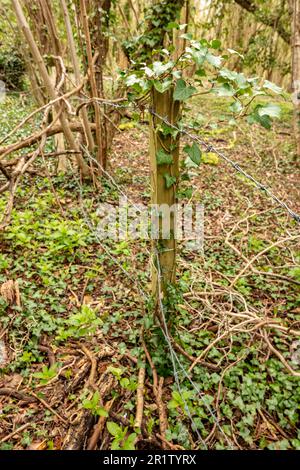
(179,369)
(209,147)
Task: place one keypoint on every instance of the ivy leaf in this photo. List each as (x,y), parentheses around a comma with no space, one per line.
(200,72)
(216,44)
(132,80)
(172,25)
(136,82)
(170,180)
(214,60)
(183,92)
(163,158)
(264,120)
(271,110)
(187,36)
(232,51)
(193,152)
(210,158)
(167,130)
(228,74)
(149,72)
(159,68)
(271,86)
(263,114)
(236,107)
(225,89)
(113,428)
(161,87)
(199,56)
(176,74)
(182,26)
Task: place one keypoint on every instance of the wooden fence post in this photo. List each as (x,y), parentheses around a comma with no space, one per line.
(164,162)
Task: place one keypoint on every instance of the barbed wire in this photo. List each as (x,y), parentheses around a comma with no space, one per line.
(177,365)
(208,147)
(211,148)
(176,362)
(146,296)
(174,356)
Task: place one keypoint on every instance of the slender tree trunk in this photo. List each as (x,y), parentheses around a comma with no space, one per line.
(295,43)
(59,138)
(37,57)
(94,91)
(33,78)
(164,180)
(55,74)
(178,41)
(99,24)
(78,78)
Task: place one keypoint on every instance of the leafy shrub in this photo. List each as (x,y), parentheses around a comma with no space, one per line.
(12,68)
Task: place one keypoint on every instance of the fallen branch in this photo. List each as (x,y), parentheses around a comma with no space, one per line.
(9,392)
(34,138)
(255,258)
(157,390)
(99,427)
(271,323)
(140,398)
(16,431)
(13,162)
(91,357)
(42,108)
(280,357)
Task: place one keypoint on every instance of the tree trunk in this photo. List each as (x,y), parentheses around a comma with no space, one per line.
(99,25)
(163,190)
(59,138)
(295,43)
(76,67)
(266,19)
(37,57)
(153,38)
(94,91)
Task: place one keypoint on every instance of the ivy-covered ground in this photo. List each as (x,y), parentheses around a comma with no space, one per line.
(75,327)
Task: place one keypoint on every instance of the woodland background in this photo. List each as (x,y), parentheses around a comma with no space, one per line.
(100,346)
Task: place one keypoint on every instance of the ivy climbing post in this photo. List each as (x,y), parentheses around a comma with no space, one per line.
(164,162)
(163,83)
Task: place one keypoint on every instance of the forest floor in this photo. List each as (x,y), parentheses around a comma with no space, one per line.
(72,346)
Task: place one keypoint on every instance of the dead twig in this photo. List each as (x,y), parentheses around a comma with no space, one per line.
(45,404)
(280,356)
(9,392)
(265,250)
(16,431)
(93,360)
(157,390)
(140,398)
(49,352)
(99,427)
